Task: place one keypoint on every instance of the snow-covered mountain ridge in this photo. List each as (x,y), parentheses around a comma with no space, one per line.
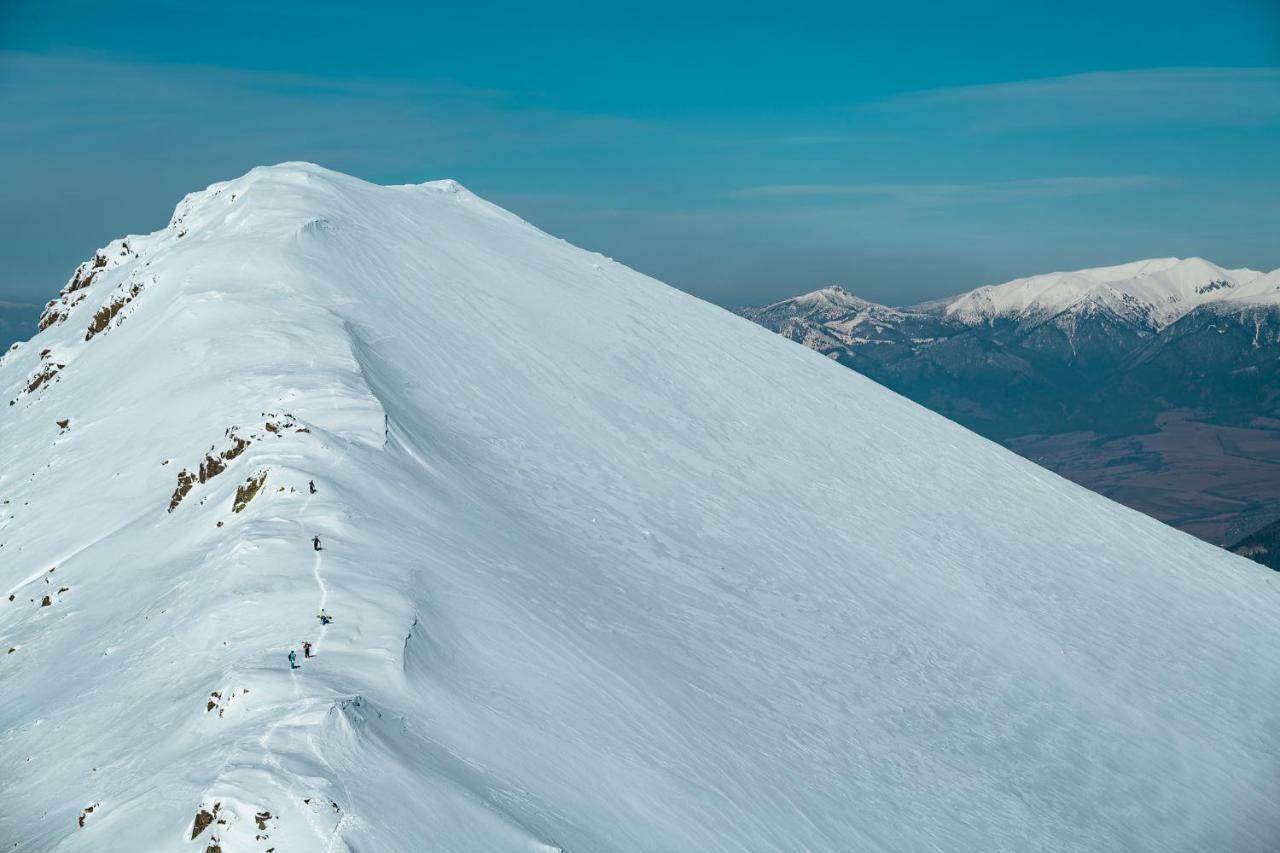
(602,577)
(1152,292)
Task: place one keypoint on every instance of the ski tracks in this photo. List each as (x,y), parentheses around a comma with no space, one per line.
(300,707)
(324,594)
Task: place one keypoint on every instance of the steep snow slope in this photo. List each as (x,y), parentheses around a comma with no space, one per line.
(602,576)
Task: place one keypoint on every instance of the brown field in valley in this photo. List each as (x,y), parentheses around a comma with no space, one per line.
(1216,482)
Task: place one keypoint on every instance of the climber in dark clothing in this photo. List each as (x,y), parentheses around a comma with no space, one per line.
(306,649)
(293,659)
(312,485)
(315,540)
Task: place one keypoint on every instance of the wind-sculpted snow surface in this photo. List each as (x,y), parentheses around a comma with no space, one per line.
(602,577)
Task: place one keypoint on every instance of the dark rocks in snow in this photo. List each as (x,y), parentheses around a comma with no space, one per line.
(222,703)
(85,274)
(104,315)
(85,812)
(204,817)
(42,376)
(248,490)
(214,463)
(211,467)
(238,446)
(186,480)
(59,309)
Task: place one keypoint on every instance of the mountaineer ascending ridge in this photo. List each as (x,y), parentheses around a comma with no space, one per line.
(315,540)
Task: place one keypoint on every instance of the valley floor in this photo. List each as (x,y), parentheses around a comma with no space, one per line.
(1219,483)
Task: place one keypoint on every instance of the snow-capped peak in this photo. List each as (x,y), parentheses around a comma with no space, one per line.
(830,295)
(1157,291)
(826,303)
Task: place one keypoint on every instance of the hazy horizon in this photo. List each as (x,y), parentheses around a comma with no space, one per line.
(743,157)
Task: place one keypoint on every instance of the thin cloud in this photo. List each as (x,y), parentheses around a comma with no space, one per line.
(1031,188)
(55,98)
(1150,96)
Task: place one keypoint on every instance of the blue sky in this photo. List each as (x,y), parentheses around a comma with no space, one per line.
(741,152)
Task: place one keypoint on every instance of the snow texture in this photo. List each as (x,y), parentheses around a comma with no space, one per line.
(603,574)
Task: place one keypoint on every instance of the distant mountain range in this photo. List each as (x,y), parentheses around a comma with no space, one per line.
(1156,383)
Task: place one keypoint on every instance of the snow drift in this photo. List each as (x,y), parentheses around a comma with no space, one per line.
(602,575)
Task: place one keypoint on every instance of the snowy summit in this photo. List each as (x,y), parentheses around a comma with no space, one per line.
(1153,292)
(599,572)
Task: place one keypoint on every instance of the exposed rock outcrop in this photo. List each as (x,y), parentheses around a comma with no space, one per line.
(249,490)
(214,463)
